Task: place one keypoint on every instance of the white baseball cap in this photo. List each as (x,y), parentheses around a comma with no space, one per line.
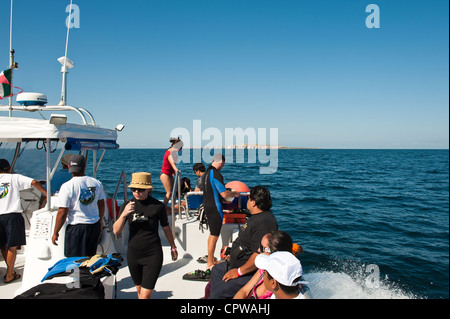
(283,266)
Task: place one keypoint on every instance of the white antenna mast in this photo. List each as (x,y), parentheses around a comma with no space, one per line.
(12,64)
(66,63)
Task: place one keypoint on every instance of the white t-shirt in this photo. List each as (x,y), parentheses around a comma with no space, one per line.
(10,187)
(81,195)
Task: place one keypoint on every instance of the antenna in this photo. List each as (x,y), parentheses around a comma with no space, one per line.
(66,63)
(12,64)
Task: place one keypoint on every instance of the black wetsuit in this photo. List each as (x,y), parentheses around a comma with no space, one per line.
(144,254)
(212,201)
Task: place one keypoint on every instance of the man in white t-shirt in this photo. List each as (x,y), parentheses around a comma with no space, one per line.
(81,203)
(12,225)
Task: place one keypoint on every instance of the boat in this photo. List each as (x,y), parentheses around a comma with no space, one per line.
(35,141)
(20,135)
(34,137)
(35,134)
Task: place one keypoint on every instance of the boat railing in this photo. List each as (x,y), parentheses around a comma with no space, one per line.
(36,108)
(176,190)
(122,178)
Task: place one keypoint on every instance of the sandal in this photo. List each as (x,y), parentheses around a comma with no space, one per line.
(204,259)
(16,276)
(198,275)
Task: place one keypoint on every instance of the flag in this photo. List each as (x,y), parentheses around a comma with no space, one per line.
(5,83)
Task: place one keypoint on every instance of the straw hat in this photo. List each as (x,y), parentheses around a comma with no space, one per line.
(141,180)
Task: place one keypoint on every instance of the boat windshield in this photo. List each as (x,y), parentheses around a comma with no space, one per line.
(31,160)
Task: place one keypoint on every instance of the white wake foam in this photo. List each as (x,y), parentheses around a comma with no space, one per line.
(332,285)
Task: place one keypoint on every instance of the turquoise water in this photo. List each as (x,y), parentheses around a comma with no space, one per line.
(373,223)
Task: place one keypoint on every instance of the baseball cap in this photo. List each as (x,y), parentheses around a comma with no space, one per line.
(283,266)
(4,164)
(65,160)
(76,163)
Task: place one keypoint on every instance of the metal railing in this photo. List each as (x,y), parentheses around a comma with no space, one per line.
(176,186)
(123,176)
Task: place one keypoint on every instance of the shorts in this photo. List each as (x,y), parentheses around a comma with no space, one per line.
(221,289)
(145,269)
(12,230)
(81,240)
(214,220)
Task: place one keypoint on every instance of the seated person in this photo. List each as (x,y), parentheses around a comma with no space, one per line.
(199,171)
(229,277)
(276,240)
(60,177)
(282,275)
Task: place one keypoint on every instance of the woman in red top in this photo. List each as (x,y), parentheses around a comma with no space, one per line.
(169,167)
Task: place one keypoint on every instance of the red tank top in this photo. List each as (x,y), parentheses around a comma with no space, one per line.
(166,167)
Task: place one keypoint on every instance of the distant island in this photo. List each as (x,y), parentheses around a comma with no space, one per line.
(261,147)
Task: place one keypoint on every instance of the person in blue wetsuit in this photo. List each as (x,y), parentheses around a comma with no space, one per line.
(214,192)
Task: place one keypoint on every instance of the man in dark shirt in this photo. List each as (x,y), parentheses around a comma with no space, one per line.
(228,277)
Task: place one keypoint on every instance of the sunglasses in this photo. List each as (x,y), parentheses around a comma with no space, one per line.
(139,190)
(263,249)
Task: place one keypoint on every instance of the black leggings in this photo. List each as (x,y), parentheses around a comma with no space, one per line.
(145,269)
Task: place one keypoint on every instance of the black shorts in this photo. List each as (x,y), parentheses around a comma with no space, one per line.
(145,269)
(12,230)
(214,220)
(81,240)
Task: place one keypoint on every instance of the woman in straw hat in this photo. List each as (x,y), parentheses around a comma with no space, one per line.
(144,214)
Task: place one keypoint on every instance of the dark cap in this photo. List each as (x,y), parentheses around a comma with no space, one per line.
(76,163)
(4,165)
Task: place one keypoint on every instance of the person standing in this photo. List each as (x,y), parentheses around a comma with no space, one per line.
(169,167)
(81,203)
(144,214)
(12,224)
(214,192)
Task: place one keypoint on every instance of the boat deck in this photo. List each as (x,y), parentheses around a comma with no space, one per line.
(8,291)
(191,244)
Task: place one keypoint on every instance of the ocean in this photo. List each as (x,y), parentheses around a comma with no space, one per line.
(372,223)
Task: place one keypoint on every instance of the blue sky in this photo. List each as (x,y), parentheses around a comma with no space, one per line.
(311,69)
